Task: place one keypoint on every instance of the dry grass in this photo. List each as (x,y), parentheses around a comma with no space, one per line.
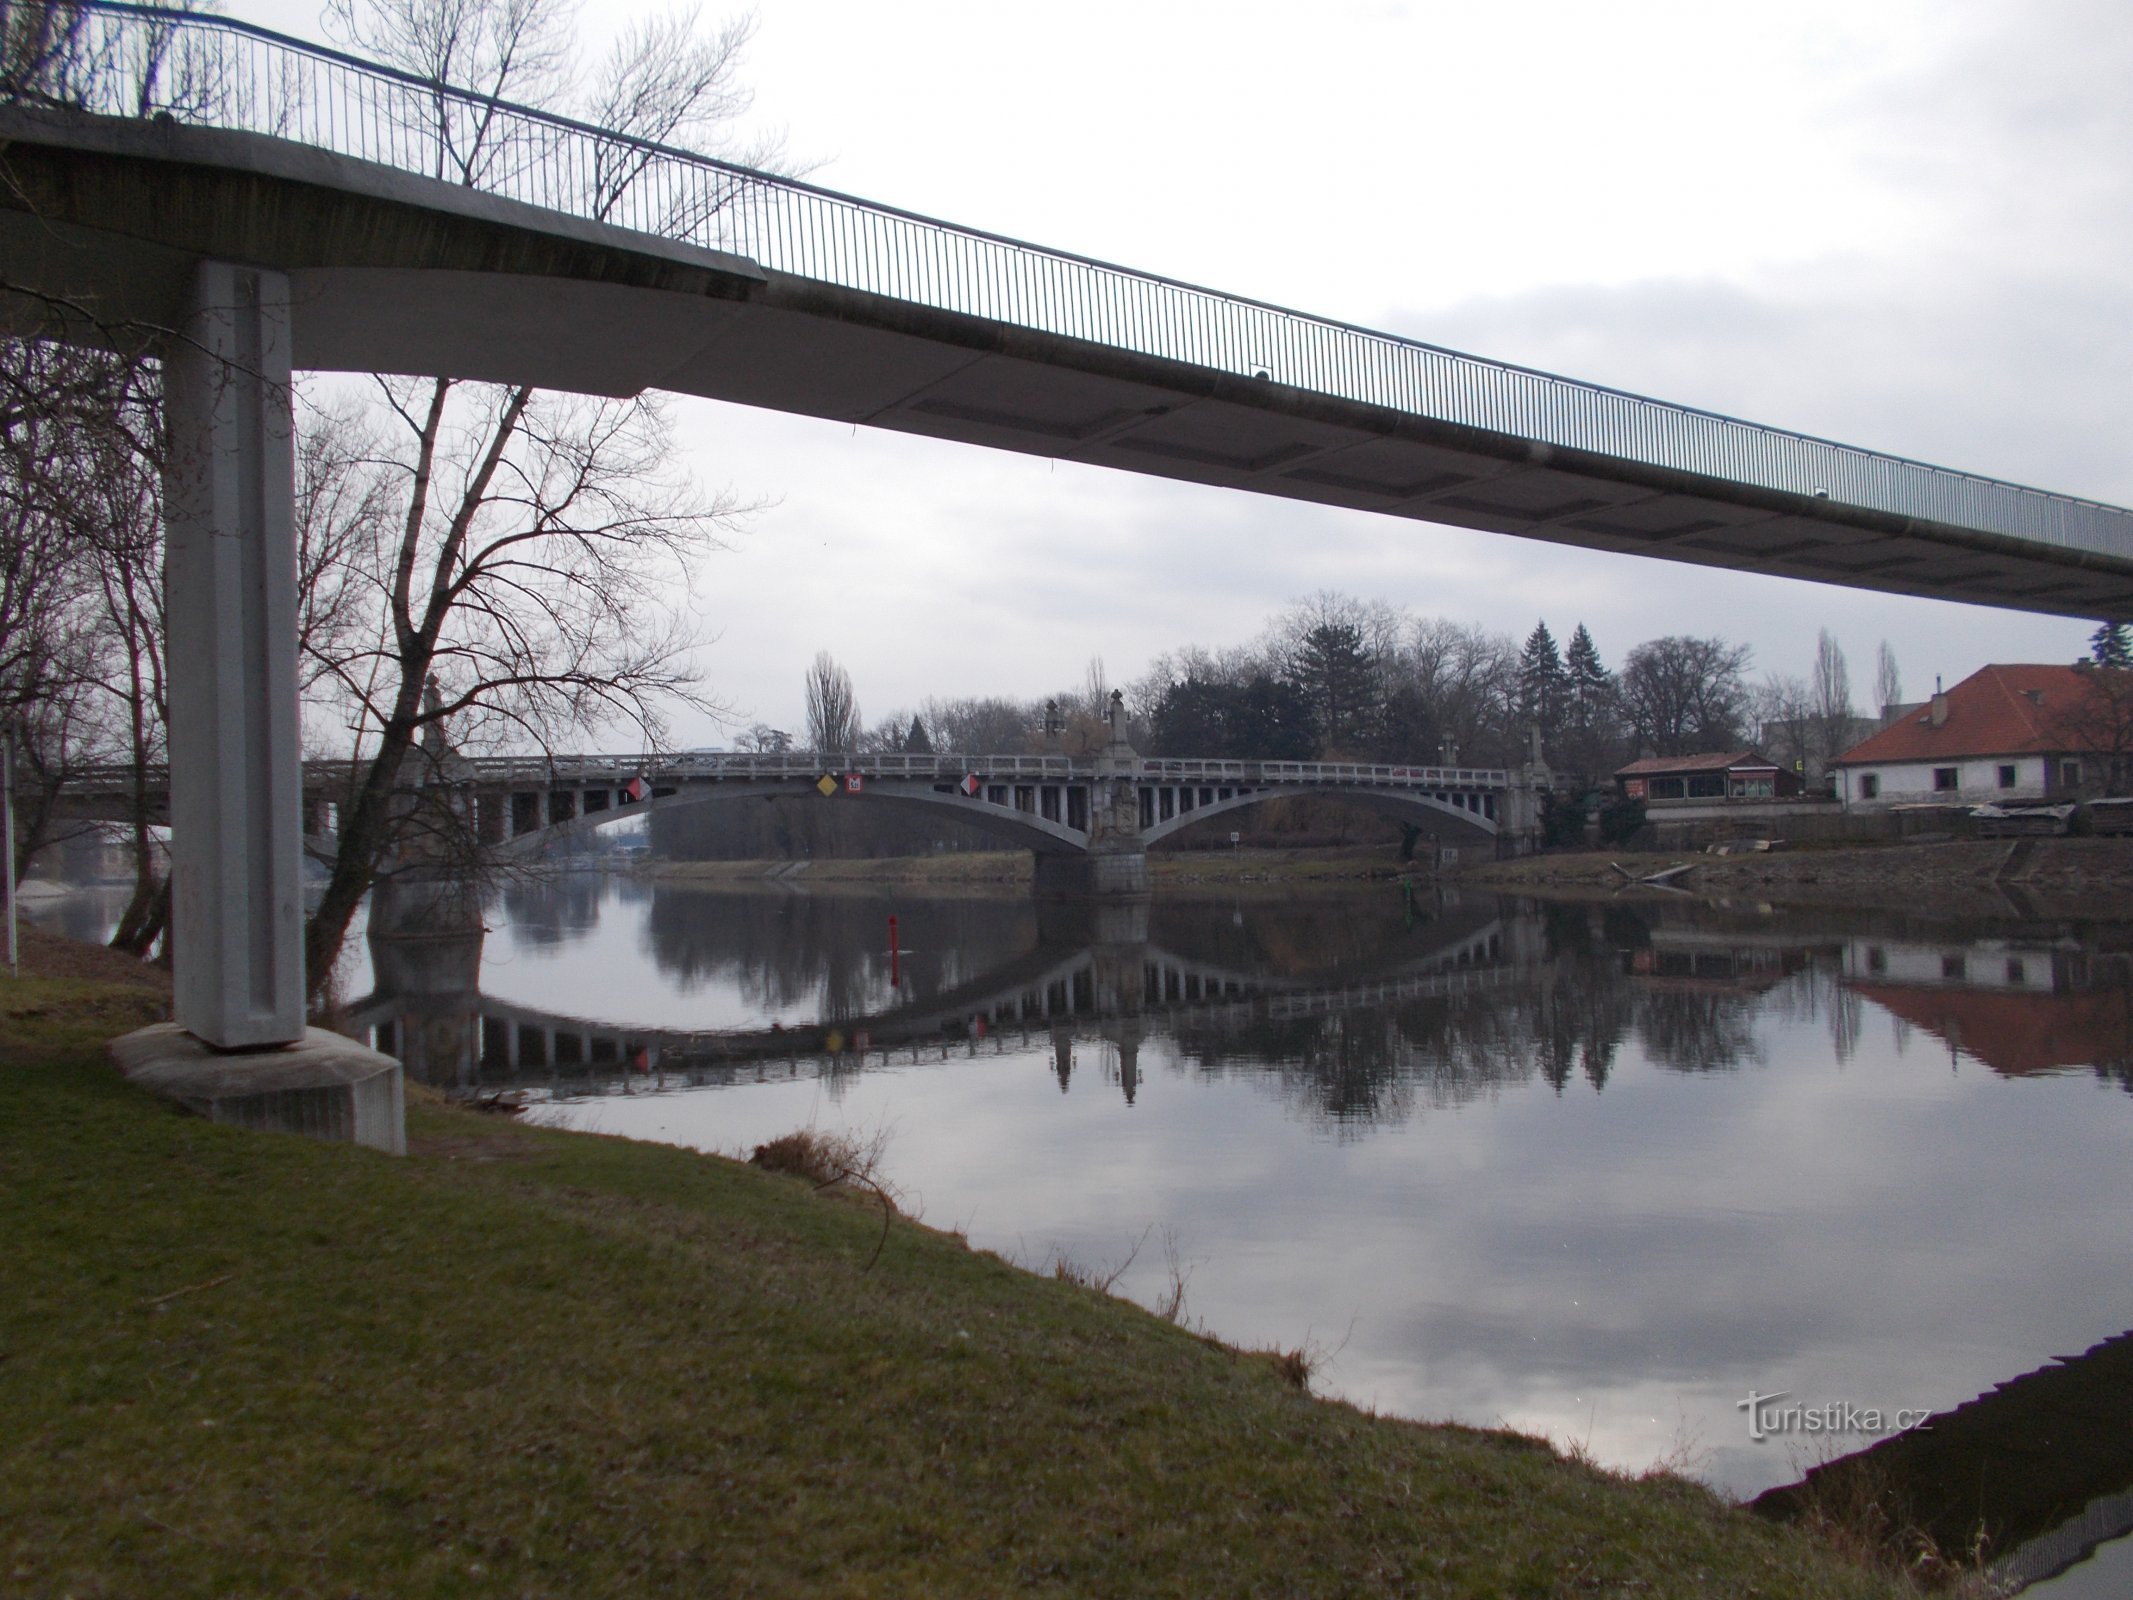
(827,1160)
(836,1161)
(240,1364)
(1170,1302)
(1295,1367)
(1858,1512)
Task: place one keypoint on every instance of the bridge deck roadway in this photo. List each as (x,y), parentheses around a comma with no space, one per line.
(394,272)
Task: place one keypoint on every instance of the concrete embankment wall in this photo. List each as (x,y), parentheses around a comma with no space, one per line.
(1692,826)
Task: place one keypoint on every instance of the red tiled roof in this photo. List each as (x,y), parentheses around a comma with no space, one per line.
(1996,711)
(1724,761)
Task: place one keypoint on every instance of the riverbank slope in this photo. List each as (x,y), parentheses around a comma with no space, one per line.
(536,1363)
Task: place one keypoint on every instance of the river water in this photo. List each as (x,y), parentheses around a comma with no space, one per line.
(1598,1171)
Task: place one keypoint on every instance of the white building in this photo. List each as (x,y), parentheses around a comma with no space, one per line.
(2010,734)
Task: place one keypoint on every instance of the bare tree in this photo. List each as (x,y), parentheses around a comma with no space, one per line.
(833,726)
(1832,700)
(80,574)
(983,726)
(1888,681)
(538,538)
(1459,685)
(762,739)
(2097,726)
(1683,695)
(123,503)
(1784,714)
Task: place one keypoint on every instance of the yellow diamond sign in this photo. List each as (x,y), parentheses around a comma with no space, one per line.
(826,786)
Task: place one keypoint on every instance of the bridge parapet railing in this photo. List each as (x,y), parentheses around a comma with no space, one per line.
(139,60)
(1374,775)
(591,770)
(939,767)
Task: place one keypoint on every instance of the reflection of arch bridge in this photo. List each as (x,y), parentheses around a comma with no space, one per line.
(476,1039)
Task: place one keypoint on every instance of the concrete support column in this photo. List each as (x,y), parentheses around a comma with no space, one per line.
(236,778)
(236,773)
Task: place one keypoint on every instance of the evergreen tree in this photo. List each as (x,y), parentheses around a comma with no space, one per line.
(1592,686)
(1332,668)
(1591,742)
(1543,685)
(915,742)
(2112,644)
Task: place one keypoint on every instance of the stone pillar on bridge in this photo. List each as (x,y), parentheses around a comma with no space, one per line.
(1117,861)
(1519,823)
(239,1050)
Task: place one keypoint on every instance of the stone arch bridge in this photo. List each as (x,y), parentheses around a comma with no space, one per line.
(1090,820)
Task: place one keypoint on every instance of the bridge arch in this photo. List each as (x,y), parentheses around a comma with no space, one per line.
(1406,805)
(1023,829)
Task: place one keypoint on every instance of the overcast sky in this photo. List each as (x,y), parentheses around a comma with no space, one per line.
(1904,226)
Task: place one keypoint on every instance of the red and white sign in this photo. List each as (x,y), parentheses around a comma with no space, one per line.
(853,783)
(636,789)
(970,784)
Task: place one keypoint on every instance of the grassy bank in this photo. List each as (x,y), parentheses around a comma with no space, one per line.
(534,1363)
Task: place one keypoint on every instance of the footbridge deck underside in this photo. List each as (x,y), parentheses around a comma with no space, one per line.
(393,272)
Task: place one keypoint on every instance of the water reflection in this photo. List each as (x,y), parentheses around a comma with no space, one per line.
(1358,1011)
(1595,1170)
(2033,1475)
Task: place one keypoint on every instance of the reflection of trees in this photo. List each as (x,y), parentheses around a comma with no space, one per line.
(787,950)
(551,911)
(1565,1015)
(1582,1011)
(1362,1067)
(1299,936)
(1568,1015)
(1697,1032)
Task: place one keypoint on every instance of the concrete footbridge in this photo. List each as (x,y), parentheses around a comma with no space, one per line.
(270,205)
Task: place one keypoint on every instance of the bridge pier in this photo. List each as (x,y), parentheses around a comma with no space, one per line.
(1116,861)
(1519,831)
(1092,876)
(236,768)
(425,940)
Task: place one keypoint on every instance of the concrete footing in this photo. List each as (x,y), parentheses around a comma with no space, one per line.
(323,1086)
(1109,873)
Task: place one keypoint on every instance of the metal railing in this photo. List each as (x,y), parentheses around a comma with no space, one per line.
(614,771)
(134,60)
